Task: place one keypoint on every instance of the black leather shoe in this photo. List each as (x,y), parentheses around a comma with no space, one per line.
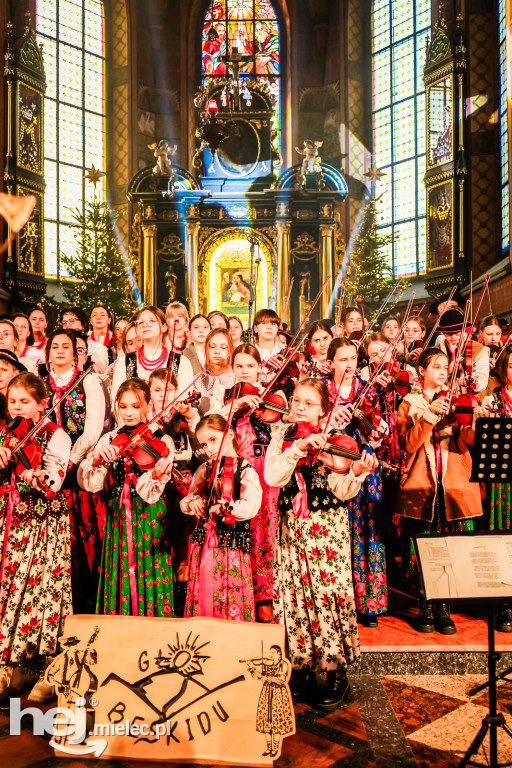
(442,621)
(299,682)
(334,692)
(367,621)
(504,621)
(426,618)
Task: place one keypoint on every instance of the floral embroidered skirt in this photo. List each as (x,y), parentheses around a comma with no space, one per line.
(368,558)
(498,506)
(35,591)
(263,537)
(86,510)
(151,575)
(313,590)
(219,583)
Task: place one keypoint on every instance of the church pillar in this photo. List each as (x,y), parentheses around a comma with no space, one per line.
(149,263)
(326,266)
(191,266)
(283,267)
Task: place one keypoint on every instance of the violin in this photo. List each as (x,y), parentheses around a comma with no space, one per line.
(270,409)
(140,445)
(223,486)
(338,446)
(29,455)
(401,380)
(462,408)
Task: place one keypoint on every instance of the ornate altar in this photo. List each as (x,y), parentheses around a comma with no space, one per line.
(446,172)
(24,172)
(195,243)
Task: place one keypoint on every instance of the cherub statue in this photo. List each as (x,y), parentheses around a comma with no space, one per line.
(163,153)
(312,160)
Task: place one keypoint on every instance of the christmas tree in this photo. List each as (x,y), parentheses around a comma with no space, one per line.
(99,270)
(369,274)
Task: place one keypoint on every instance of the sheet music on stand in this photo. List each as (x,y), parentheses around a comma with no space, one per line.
(465,566)
(492,453)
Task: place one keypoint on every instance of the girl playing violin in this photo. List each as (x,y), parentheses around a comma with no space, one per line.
(224,496)
(435,493)
(368,551)
(218,374)
(179,423)
(35,566)
(313,587)
(253,435)
(318,339)
(135,574)
(266,329)
(82,416)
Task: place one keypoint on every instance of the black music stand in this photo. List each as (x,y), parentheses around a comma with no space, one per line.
(442,580)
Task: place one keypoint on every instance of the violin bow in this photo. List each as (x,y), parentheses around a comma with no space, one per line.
(171,360)
(54,407)
(434,329)
(379,312)
(285,308)
(229,420)
(340,303)
(166,408)
(466,334)
(382,360)
(290,350)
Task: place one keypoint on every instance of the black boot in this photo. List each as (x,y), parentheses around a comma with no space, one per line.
(426,617)
(504,620)
(367,620)
(299,682)
(442,621)
(334,692)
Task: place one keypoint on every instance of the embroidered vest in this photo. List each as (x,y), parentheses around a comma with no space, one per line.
(72,410)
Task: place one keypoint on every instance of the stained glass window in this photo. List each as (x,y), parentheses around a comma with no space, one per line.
(251,28)
(505,205)
(399,32)
(72,36)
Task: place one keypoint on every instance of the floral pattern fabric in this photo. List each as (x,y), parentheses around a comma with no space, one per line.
(313,589)
(153,566)
(35,589)
(233,596)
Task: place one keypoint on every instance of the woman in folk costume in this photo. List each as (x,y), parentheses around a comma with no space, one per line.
(101,333)
(435,493)
(224,496)
(35,588)
(150,355)
(82,415)
(253,437)
(136,573)
(497,502)
(218,374)
(474,367)
(368,550)
(199,328)
(313,586)
(179,423)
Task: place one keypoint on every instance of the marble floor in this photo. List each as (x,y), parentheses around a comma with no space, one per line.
(410,721)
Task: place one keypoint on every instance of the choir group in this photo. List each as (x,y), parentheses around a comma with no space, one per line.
(162,465)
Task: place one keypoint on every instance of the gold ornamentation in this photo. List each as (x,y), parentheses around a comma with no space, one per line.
(305,248)
(171,249)
(93,175)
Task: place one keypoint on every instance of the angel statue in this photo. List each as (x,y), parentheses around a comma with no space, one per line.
(163,153)
(312,162)
(171,281)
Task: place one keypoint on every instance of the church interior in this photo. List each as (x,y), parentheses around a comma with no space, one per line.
(403,105)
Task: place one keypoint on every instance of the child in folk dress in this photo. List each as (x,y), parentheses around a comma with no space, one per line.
(220,574)
(35,549)
(313,587)
(135,573)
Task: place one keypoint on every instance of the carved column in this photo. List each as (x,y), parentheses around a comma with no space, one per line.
(149,263)
(326,265)
(283,266)
(191,265)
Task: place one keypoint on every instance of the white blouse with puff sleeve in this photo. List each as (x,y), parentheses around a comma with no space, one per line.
(244,508)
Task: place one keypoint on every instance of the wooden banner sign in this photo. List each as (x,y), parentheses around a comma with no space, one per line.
(181,690)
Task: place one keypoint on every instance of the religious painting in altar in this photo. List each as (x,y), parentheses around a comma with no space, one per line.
(440,229)
(228,269)
(249,28)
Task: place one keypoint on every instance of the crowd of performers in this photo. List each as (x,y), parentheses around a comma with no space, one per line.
(162,465)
